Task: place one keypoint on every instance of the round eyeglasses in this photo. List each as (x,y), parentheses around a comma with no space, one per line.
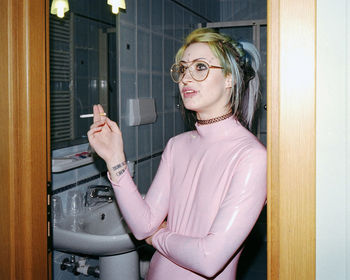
(199,70)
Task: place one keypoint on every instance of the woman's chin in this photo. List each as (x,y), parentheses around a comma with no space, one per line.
(191,106)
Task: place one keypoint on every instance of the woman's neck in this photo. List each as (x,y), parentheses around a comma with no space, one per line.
(212,115)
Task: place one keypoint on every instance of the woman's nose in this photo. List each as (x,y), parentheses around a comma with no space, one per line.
(187,76)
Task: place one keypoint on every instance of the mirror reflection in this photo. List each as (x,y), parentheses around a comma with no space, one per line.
(82,69)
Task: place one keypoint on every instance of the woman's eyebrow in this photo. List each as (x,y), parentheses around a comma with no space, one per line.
(200,58)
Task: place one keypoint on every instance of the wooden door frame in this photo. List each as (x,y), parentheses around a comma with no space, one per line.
(291,141)
(25,149)
(24,130)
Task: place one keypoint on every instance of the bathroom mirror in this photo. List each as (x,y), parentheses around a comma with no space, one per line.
(82,69)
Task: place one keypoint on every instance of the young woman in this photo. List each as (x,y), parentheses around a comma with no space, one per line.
(211,182)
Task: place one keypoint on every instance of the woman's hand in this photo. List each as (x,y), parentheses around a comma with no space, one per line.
(105,138)
(149,239)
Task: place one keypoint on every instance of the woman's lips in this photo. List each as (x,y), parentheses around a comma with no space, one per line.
(188,92)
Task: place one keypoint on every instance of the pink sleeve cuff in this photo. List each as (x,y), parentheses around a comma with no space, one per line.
(120,178)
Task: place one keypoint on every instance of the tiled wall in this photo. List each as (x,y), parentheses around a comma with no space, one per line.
(90,15)
(242,10)
(150,34)
(238,10)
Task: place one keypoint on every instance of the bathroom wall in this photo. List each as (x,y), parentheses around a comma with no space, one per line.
(148,33)
(89,16)
(237,10)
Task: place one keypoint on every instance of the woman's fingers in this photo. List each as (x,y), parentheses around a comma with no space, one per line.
(94,130)
(98,113)
(97,116)
(97,124)
(113,125)
(100,108)
(101,111)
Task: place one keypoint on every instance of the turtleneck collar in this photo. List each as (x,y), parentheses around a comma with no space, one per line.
(218,130)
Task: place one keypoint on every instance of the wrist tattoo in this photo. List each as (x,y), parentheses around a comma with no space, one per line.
(118,166)
(120,172)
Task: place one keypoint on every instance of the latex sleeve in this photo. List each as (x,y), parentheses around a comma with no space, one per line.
(144,216)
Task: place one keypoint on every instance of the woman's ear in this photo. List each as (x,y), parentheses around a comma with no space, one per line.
(228,81)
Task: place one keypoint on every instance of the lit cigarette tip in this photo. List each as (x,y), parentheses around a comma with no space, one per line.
(90,115)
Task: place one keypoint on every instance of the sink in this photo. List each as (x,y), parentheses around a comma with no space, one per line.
(98,231)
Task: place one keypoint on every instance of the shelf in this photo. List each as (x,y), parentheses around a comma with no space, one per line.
(71,161)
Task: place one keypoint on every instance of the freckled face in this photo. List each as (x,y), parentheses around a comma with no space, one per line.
(211,97)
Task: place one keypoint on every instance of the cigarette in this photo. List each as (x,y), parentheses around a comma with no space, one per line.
(90,115)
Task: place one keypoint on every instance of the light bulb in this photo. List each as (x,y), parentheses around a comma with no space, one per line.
(115,9)
(59,7)
(116,5)
(60,12)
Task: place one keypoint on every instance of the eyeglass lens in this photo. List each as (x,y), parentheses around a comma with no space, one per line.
(198,71)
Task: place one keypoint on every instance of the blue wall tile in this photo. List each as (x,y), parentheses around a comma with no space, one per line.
(169,54)
(128,89)
(187,22)
(144,140)
(157,15)
(144,176)
(63,179)
(80,31)
(143,13)
(78,6)
(130,14)
(157,53)
(82,89)
(129,139)
(179,19)
(127,47)
(179,123)
(94,8)
(157,91)
(169,94)
(155,165)
(157,134)
(81,63)
(143,81)
(106,14)
(143,50)
(93,35)
(169,18)
(93,64)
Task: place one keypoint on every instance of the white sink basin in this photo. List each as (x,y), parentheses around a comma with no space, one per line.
(100,231)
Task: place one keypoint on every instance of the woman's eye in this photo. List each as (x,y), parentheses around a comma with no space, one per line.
(182,69)
(200,66)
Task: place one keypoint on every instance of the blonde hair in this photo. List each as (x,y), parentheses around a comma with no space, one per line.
(241,60)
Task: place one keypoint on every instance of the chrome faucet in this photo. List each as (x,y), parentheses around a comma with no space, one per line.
(98,194)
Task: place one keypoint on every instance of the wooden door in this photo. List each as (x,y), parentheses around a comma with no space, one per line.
(291,139)
(24,149)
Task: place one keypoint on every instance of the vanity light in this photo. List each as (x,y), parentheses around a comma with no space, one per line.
(59,7)
(116,5)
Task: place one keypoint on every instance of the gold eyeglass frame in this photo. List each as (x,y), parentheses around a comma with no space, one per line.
(188,67)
